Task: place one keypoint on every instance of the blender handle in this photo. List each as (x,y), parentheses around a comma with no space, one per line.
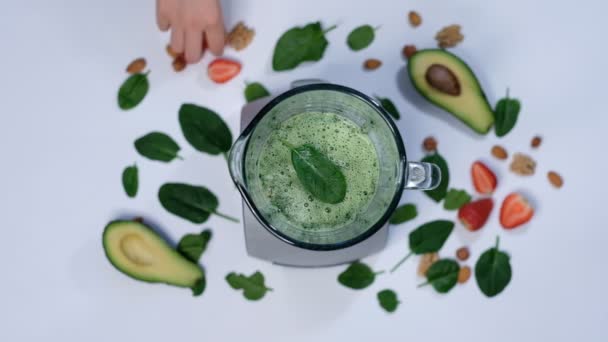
(423,176)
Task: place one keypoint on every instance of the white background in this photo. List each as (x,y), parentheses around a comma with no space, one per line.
(65,143)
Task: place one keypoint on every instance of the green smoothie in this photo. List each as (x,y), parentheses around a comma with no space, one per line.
(343,142)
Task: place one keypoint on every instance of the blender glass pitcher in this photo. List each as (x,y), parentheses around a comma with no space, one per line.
(395,172)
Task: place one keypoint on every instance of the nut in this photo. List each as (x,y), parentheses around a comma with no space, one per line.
(523,165)
(462,253)
(136,66)
(449,36)
(499,152)
(429,144)
(372,64)
(179,63)
(535,143)
(426,260)
(415,19)
(443,79)
(464,274)
(240,37)
(172,53)
(409,50)
(555,179)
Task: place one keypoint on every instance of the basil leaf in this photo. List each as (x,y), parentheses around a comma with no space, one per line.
(255,91)
(192,246)
(199,286)
(439,192)
(299,44)
(157,146)
(388,300)
(505,115)
(360,38)
(193,203)
(389,106)
(493,271)
(253,286)
(204,129)
(357,276)
(455,199)
(442,275)
(428,238)
(130,180)
(403,214)
(318,175)
(133,91)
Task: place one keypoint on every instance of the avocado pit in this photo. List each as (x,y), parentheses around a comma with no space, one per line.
(443,79)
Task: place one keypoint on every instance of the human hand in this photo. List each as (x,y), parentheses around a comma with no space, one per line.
(193,23)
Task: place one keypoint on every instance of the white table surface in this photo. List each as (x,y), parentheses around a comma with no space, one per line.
(65,143)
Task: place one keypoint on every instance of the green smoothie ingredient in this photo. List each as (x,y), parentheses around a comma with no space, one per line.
(404,213)
(440,191)
(428,238)
(388,106)
(358,276)
(157,146)
(442,275)
(190,202)
(204,129)
(505,114)
(455,199)
(388,300)
(192,246)
(255,91)
(361,37)
(493,271)
(133,91)
(253,286)
(130,180)
(300,44)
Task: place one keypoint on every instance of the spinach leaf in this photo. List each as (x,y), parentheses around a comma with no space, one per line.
(388,106)
(253,286)
(388,300)
(157,146)
(455,199)
(505,115)
(130,180)
(255,91)
(199,286)
(204,129)
(493,271)
(193,203)
(192,246)
(428,238)
(403,214)
(357,276)
(318,175)
(442,275)
(133,91)
(299,44)
(439,192)
(360,37)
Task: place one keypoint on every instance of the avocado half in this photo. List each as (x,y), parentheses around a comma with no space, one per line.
(448,82)
(139,252)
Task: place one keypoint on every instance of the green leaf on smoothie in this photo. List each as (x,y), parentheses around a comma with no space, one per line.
(130,180)
(403,213)
(192,246)
(253,286)
(157,146)
(133,91)
(357,276)
(255,91)
(300,44)
(204,129)
(440,191)
(360,38)
(455,199)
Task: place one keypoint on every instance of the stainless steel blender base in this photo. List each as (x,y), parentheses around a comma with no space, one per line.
(260,243)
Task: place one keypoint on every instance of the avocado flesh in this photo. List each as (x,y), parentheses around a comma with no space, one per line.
(139,252)
(470,106)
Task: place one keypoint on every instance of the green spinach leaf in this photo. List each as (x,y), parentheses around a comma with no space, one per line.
(204,129)
(130,180)
(253,286)
(439,192)
(192,246)
(133,91)
(442,275)
(389,106)
(455,199)
(360,38)
(255,91)
(505,115)
(404,213)
(357,276)
(493,271)
(193,203)
(428,238)
(199,286)
(299,44)
(157,146)
(388,300)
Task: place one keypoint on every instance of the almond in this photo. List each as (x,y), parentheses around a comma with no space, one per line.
(555,179)
(172,53)
(536,141)
(409,50)
(372,64)
(415,19)
(462,253)
(499,152)
(464,274)
(429,144)
(179,63)
(136,66)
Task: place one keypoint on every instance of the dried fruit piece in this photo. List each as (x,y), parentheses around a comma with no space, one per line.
(499,152)
(179,63)
(462,253)
(484,180)
(535,143)
(136,66)
(240,37)
(449,36)
(515,211)
(372,64)
(555,179)
(426,260)
(523,165)
(172,53)
(415,19)
(223,70)
(409,51)
(429,144)
(474,215)
(464,274)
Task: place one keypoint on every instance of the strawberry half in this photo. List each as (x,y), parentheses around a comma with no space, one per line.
(484,180)
(474,215)
(223,70)
(515,211)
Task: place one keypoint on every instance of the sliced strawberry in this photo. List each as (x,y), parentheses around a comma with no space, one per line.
(484,179)
(223,70)
(474,215)
(515,211)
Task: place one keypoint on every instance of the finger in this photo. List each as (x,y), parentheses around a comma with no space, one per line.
(193,46)
(177,40)
(215,39)
(161,18)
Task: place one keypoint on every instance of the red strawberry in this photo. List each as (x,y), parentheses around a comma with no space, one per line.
(474,215)
(515,211)
(484,179)
(223,70)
